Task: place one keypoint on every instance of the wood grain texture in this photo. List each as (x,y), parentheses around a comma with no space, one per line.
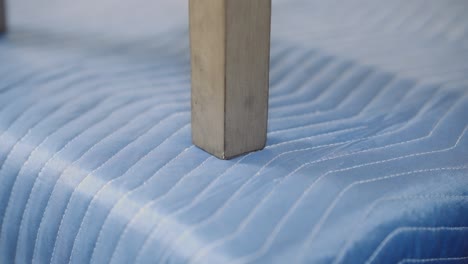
(230,51)
(2,16)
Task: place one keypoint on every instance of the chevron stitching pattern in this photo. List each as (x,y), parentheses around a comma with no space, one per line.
(366,161)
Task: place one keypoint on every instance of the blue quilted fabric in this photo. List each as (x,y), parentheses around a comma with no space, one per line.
(367,156)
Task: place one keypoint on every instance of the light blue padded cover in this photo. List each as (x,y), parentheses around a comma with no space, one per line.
(367,156)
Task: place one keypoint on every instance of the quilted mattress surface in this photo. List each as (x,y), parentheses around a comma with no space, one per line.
(367,155)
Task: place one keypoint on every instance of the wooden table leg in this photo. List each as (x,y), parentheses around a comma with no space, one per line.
(2,16)
(230,56)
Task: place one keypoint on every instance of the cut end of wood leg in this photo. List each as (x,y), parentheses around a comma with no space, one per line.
(226,156)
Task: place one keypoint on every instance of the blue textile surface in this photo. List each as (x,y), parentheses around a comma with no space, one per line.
(367,156)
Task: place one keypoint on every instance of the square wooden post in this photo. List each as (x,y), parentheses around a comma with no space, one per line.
(2,16)
(230,56)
